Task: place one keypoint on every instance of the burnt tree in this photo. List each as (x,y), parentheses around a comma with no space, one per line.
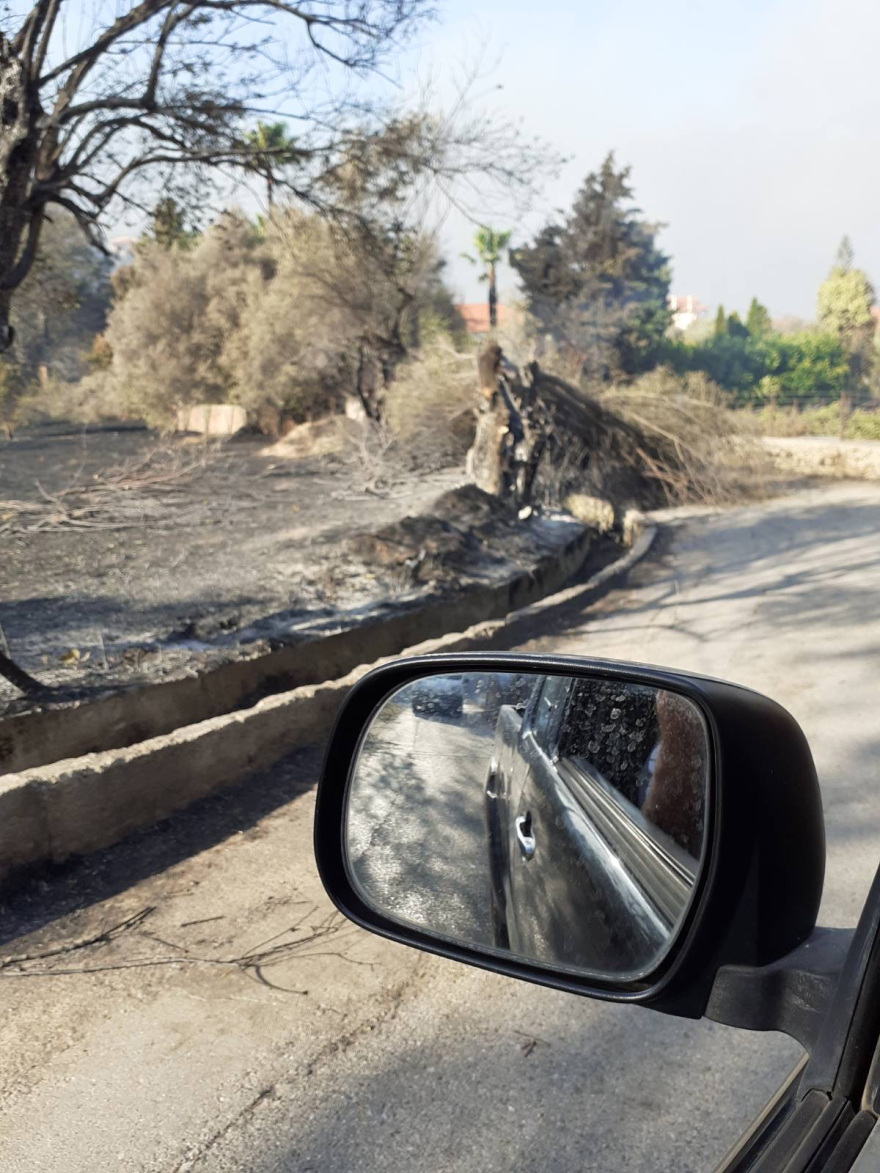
(159,92)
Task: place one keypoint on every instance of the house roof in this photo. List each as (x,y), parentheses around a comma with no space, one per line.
(685,304)
(476,316)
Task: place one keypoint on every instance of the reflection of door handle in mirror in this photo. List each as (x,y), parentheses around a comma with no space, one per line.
(524,836)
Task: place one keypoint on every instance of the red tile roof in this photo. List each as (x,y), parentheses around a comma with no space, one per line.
(476,316)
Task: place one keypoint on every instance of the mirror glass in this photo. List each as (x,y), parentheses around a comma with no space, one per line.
(557,818)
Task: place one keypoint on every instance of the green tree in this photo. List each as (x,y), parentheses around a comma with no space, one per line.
(758,320)
(794,367)
(269,149)
(735,361)
(170,225)
(734,326)
(844,309)
(597,284)
(811,365)
(489,244)
(720,322)
(845,297)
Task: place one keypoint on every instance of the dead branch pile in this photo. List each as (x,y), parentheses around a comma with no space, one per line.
(696,450)
(540,439)
(429,408)
(123,497)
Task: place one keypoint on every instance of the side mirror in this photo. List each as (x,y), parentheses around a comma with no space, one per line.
(609,829)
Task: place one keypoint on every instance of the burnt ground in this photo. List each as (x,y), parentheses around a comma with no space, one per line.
(175,566)
(129,559)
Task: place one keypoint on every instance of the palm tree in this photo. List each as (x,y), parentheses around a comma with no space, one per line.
(270,147)
(489,244)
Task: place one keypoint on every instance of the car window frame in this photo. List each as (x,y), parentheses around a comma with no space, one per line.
(547,740)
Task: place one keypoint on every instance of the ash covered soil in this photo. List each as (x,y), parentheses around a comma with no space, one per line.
(130,559)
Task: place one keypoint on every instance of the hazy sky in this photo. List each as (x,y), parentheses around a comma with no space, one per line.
(752,128)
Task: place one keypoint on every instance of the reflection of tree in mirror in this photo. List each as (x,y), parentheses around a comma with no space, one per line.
(614,727)
(676,797)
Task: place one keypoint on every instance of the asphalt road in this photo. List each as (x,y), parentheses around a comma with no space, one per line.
(239,1026)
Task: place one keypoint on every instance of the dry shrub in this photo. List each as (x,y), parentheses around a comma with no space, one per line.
(697,449)
(167,335)
(295,348)
(89,401)
(287,319)
(429,408)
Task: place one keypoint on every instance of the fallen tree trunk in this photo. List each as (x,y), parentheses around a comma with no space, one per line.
(512,431)
(540,440)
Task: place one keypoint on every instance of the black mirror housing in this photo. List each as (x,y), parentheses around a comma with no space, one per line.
(759,890)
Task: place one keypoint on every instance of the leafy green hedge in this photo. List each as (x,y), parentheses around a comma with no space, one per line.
(788,368)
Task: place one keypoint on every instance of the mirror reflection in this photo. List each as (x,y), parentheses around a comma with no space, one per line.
(557,818)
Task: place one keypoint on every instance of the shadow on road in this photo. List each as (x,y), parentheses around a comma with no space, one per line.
(43,894)
(754,543)
(525,1081)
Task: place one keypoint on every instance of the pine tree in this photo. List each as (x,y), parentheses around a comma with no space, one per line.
(758,320)
(734,327)
(597,283)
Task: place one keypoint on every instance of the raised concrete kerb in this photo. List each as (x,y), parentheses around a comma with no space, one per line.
(82,804)
(823,456)
(127,717)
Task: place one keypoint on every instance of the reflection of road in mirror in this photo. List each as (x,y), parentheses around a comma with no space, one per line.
(416,834)
(558,818)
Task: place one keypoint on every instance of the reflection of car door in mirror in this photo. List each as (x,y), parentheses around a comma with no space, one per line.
(533,836)
(545,717)
(568,896)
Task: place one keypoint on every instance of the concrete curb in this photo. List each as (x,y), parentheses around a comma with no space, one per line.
(127,717)
(83,804)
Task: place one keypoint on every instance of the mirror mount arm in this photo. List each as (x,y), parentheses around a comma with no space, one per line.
(791,995)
